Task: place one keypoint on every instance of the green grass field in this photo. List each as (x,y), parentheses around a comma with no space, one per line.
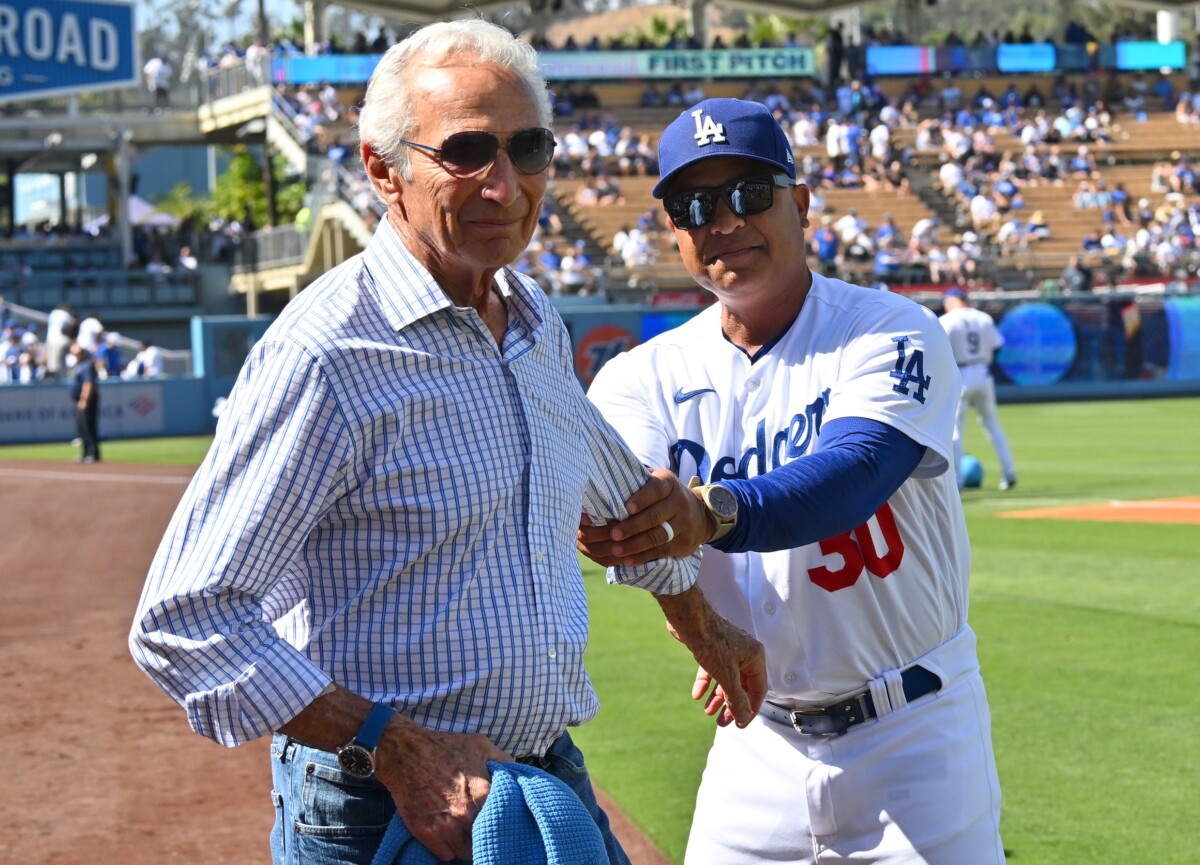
(1089,636)
(178,451)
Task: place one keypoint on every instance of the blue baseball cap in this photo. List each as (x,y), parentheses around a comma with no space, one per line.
(955,291)
(722,127)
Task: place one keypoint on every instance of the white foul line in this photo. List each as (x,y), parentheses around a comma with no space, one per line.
(84,474)
(1156,505)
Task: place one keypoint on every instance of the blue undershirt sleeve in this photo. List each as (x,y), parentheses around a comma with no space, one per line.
(857,466)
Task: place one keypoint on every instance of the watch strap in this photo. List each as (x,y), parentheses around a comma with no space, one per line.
(723,528)
(372,728)
(720,528)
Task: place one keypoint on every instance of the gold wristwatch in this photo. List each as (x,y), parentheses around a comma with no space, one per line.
(720,505)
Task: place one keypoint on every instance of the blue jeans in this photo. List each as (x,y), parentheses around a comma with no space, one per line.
(325,817)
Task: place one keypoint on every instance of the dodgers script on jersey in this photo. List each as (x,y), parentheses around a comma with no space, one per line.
(845,607)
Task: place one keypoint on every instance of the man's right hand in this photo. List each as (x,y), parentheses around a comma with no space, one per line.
(438,781)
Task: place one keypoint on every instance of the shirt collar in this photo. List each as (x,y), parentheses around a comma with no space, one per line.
(407,290)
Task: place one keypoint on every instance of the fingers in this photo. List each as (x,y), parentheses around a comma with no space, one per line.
(636,531)
(739,705)
(745,697)
(716,707)
(447,831)
(599,551)
(633,541)
(754,679)
(663,519)
(446,837)
(439,784)
(715,704)
(452,830)
(658,486)
(741,683)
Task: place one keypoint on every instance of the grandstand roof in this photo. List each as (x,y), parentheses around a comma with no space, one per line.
(422,11)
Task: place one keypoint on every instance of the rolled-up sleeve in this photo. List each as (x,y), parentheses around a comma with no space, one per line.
(615,475)
(227,567)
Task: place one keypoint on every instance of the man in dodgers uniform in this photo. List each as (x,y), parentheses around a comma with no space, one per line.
(817,418)
(974,339)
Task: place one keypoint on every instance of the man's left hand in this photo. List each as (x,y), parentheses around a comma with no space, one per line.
(726,654)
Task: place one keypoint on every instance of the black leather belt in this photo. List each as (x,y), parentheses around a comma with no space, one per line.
(837,718)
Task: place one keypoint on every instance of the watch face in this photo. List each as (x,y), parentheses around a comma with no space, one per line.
(356,760)
(722,502)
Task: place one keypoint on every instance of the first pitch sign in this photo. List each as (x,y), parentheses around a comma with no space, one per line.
(48,47)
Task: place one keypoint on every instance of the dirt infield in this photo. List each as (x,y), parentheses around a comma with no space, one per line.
(100,767)
(1182,510)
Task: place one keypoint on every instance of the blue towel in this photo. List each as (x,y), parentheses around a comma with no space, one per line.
(529,818)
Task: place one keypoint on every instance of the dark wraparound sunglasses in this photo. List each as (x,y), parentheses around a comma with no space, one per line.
(464,154)
(746,196)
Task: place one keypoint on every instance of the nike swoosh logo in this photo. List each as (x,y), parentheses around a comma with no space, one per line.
(682,395)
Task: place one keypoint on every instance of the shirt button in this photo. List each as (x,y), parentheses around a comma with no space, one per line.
(752,384)
(789,677)
(770,608)
(538,556)
(553,653)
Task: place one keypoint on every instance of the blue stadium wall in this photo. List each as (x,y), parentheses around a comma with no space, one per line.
(180,405)
(1053,354)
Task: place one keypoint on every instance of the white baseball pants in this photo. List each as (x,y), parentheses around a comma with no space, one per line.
(979,393)
(917,786)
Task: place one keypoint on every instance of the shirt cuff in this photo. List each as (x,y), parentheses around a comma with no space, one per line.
(662,576)
(270,692)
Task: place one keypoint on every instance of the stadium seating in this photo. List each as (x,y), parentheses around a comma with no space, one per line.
(1138,142)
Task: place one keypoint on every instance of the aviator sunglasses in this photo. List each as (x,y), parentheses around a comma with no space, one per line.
(465,154)
(746,196)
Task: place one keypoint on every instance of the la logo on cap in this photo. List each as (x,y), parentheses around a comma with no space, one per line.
(708,131)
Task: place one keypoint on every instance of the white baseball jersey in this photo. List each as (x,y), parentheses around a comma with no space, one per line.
(834,614)
(974,337)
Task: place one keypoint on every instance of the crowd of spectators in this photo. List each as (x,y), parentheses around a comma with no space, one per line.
(594,143)
(1155,241)
(992,153)
(993,146)
(28,356)
(999,142)
(1073,32)
(318,115)
(75,255)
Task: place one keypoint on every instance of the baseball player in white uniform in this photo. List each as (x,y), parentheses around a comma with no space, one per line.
(817,420)
(974,339)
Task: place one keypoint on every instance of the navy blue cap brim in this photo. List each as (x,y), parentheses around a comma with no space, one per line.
(664,183)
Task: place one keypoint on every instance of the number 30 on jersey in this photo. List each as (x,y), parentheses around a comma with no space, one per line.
(858,550)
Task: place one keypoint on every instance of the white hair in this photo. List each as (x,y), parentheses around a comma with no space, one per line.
(386,116)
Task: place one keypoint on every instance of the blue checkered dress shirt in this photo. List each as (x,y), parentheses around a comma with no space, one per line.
(390,503)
